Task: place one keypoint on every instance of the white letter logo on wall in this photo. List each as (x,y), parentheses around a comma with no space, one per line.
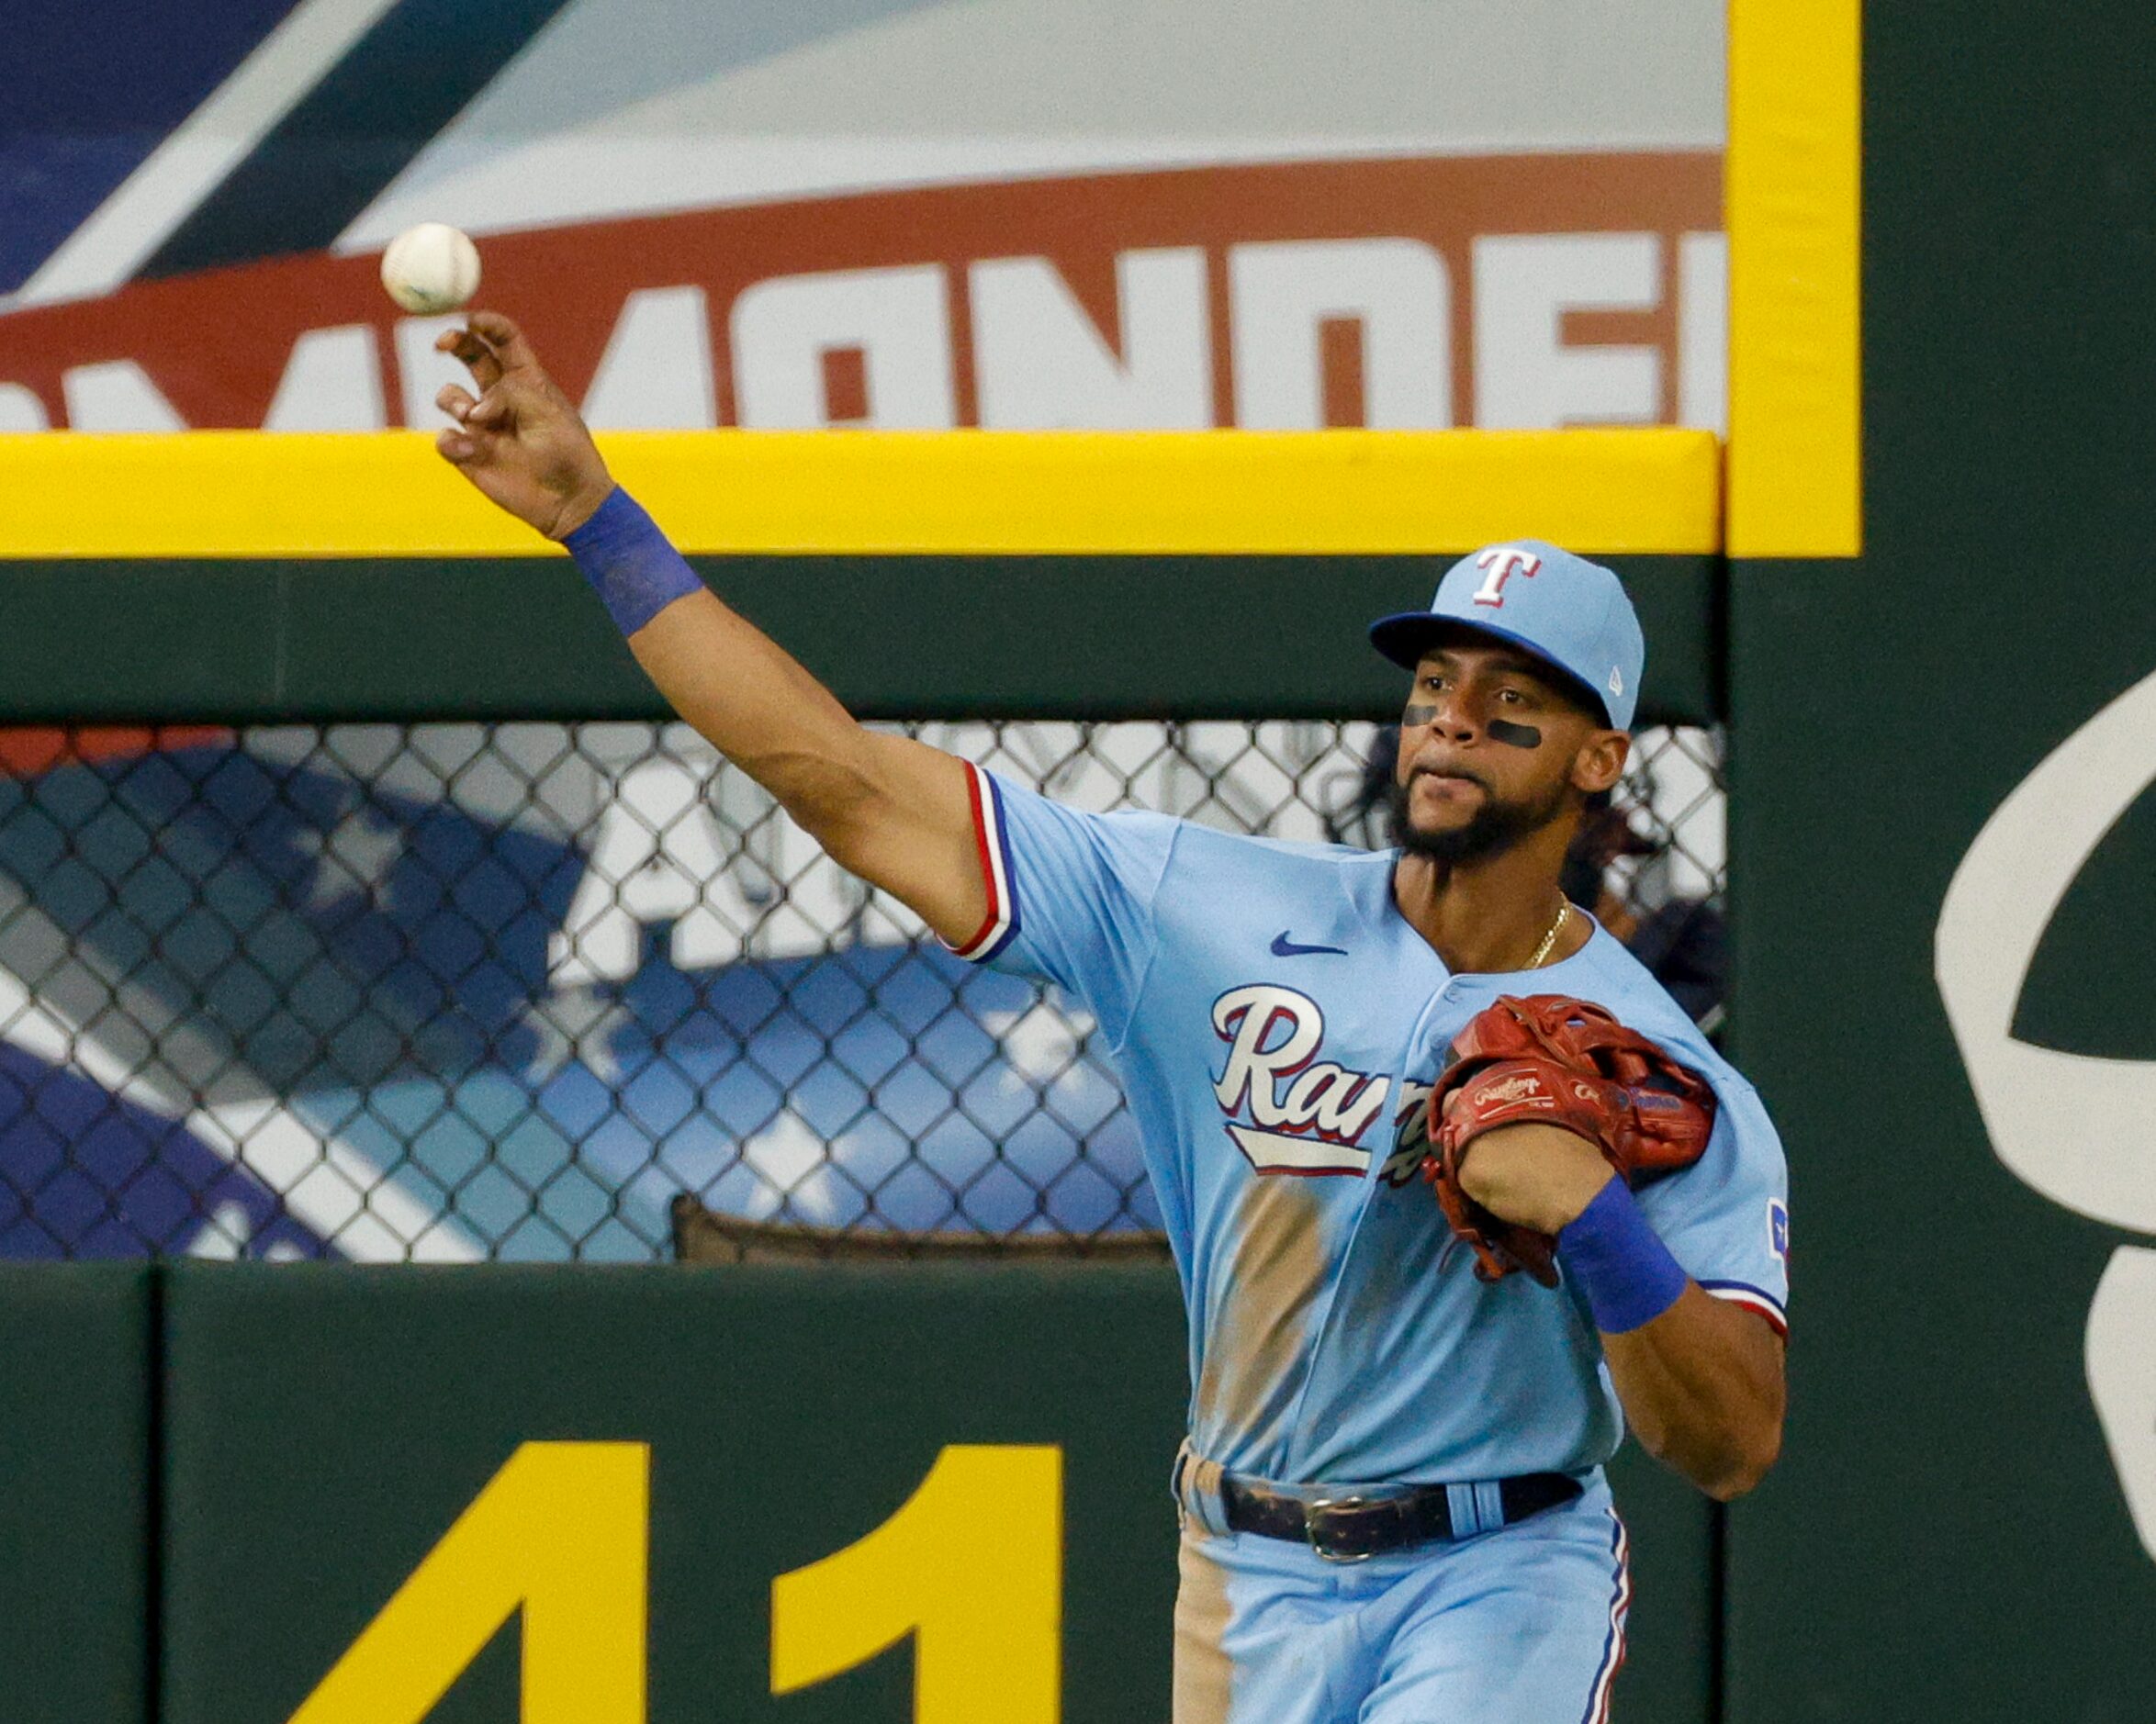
(2080,1129)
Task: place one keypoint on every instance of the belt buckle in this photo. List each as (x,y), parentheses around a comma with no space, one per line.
(1327,1519)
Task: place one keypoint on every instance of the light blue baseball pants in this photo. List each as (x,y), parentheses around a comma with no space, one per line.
(1525,1624)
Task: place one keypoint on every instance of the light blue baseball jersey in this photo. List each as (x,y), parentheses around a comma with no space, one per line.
(1276,1024)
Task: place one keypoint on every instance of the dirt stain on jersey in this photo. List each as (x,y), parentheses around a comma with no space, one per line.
(1203,1670)
(1261,1318)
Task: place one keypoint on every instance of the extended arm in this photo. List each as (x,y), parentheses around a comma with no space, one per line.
(1700,1379)
(896,812)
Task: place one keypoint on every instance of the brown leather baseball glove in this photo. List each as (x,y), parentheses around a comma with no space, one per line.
(1551,1061)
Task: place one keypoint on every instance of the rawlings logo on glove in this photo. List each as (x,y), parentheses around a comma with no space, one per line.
(1527,1087)
(1556,1062)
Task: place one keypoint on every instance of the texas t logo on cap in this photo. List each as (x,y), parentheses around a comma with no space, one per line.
(1501,562)
(1572,614)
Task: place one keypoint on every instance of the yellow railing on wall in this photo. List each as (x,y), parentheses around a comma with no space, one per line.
(239,494)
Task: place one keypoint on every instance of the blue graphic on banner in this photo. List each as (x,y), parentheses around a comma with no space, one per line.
(87,1173)
(268,1004)
(89,97)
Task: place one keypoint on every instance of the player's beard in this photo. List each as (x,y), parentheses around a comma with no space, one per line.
(1497,826)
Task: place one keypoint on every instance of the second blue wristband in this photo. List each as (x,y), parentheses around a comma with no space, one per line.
(1619,1261)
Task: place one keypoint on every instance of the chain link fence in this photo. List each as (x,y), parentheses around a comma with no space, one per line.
(459,992)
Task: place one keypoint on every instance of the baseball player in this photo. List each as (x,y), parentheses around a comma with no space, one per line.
(1392,1495)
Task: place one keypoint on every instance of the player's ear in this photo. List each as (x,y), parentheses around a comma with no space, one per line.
(1601,761)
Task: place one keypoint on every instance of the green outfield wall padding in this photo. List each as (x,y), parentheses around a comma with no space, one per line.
(1946,1536)
(75,1534)
(352,1415)
(1096,637)
(326,1426)
(1952,1533)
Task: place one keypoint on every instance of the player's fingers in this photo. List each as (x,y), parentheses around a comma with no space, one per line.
(455,401)
(455,447)
(479,358)
(511,348)
(493,410)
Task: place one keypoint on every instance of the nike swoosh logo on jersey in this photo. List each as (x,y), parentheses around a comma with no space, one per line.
(1285,948)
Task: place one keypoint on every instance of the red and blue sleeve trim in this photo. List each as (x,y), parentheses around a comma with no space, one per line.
(1752,1298)
(991,841)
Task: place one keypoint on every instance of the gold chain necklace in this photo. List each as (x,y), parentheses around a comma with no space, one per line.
(1550,939)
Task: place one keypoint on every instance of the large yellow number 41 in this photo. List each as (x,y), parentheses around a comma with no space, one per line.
(971,1565)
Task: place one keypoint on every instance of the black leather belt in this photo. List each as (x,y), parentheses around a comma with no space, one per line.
(1353,1528)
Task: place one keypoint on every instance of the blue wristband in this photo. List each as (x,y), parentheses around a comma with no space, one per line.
(630,563)
(1620,1262)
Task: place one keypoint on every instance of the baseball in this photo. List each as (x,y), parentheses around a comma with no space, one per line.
(432,268)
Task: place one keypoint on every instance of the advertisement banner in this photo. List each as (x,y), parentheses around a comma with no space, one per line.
(894,214)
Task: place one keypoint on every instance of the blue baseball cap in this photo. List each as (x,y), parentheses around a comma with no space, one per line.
(1570,613)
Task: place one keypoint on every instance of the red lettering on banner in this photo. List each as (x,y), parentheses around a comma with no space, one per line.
(1104,300)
